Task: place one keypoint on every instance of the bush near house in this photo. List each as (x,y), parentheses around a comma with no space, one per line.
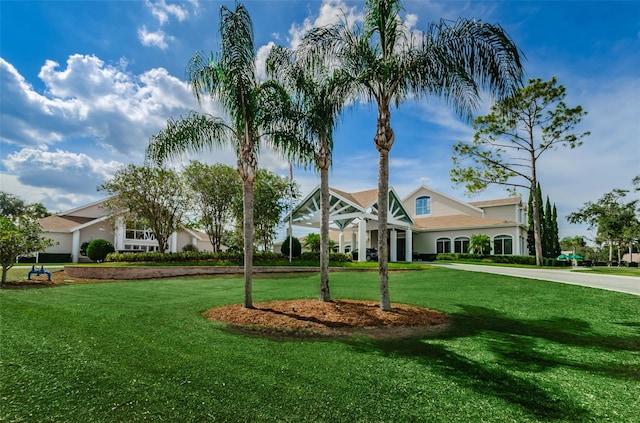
(487,259)
(98,249)
(335,257)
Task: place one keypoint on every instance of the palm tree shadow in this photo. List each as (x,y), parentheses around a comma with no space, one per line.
(514,344)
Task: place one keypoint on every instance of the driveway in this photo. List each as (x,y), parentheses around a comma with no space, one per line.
(627,284)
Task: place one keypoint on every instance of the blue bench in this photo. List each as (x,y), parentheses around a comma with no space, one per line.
(38,272)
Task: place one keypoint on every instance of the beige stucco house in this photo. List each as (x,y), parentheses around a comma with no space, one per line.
(84,224)
(424,222)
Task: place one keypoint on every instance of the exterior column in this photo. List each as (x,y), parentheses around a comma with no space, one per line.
(341,242)
(353,241)
(362,240)
(75,246)
(173,243)
(119,232)
(409,245)
(393,250)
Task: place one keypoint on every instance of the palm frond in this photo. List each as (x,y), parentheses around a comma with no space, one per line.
(192,133)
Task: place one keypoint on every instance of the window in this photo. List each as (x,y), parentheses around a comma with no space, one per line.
(138,231)
(461,245)
(503,244)
(443,245)
(145,248)
(423,205)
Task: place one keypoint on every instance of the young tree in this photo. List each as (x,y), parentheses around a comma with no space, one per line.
(257,111)
(215,189)
(20,235)
(271,194)
(480,244)
(153,196)
(510,140)
(320,96)
(573,243)
(312,242)
(614,218)
(390,63)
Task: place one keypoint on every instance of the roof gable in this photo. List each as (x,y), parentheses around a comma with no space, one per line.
(344,208)
(442,204)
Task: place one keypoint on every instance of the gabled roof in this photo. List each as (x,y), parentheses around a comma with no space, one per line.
(62,223)
(458,221)
(344,208)
(498,202)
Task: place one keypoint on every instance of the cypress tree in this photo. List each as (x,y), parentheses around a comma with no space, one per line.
(556,236)
(547,232)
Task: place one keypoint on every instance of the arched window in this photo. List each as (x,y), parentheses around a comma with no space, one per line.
(503,244)
(461,244)
(423,205)
(443,245)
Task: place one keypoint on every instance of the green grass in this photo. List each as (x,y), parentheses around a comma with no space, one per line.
(518,351)
(620,271)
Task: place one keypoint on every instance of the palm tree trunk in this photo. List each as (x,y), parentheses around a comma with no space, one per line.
(247,210)
(383,199)
(383,140)
(325,295)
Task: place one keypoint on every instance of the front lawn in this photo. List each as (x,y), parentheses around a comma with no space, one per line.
(518,351)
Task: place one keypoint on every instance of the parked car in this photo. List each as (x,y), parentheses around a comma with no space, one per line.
(372,254)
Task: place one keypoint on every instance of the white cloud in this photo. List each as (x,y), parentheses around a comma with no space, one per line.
(58,172)
(261,59)
(153,39)
(161,11)
(91,100)
(331,12)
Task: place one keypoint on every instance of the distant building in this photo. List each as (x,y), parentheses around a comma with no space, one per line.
(73,228)
(424,222)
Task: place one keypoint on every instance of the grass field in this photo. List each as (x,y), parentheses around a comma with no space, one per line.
(518,351)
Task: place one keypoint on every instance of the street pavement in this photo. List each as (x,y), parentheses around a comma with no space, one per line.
(627,284)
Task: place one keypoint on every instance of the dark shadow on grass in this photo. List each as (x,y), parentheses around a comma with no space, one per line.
(516,343)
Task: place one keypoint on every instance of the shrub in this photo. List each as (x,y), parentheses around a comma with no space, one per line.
(190,248)
(98,249)
(83,248)
(487,259)
(296,250)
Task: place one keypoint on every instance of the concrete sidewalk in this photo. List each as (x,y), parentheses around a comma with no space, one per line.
(627,284)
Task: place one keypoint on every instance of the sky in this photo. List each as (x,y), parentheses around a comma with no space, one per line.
(84,84)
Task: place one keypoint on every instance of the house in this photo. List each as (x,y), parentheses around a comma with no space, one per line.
(424,222)
(73,228)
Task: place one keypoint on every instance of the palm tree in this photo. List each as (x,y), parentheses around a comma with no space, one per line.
(451,60)
(321,95)
(480,244)
(256,111)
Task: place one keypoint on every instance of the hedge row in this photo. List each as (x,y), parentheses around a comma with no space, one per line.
(334,257)
(488,259)
(221,256)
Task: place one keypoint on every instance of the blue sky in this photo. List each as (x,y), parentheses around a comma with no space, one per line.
(84,84)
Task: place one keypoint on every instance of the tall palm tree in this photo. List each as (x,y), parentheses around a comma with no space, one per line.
(256,111)
(321,96)
(452,60)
